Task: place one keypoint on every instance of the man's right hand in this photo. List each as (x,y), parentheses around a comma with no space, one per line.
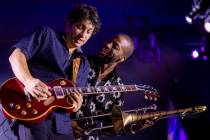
(37,89)
(78,131)
(140,125)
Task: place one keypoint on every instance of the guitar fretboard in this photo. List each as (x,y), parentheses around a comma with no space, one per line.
(102,89)
(148,91)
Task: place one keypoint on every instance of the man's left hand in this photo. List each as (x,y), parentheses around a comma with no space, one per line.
(76,100)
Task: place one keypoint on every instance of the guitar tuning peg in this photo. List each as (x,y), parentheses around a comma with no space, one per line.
(155,99)
(150,98)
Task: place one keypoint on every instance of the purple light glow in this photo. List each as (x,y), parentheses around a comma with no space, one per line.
(202,49)
(195,54)
(182,135)
(205,58)
(175,131)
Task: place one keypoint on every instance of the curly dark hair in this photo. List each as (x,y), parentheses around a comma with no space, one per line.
(84,11)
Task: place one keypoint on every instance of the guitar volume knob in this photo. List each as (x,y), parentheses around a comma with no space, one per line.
(17,106)
(62,83)
(34,111)
(28,105)
(23,112)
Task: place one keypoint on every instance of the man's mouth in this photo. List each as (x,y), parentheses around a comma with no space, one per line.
(102,53)
(79,41)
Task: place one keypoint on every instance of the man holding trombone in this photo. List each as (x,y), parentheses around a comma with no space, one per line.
(103,73)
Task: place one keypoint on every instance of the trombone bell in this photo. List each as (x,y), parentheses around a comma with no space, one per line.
(121,119)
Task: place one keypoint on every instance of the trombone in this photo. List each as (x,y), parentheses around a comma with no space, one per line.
(122,119)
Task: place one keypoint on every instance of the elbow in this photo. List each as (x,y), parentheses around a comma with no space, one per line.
(14,55)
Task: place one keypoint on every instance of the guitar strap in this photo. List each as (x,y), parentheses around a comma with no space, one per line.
(76,63)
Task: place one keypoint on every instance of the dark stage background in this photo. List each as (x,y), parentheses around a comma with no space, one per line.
(180,80)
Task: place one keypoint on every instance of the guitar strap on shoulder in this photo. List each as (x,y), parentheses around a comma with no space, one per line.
(76,64)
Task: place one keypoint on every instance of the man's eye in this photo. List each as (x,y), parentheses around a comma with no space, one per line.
(116,46)
(90,31)
(79,26)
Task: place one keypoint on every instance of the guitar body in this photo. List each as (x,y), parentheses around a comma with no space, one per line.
(16,105)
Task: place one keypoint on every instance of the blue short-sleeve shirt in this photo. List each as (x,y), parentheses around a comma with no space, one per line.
(48,59)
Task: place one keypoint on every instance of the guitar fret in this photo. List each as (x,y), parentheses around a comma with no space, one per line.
(102,89)
(82,90)
(75,90)
(98,89)
(110,88)
(66,91)
(114,88)
(88,90)
(70,89)
(106,89)
(132,87)
(79,89)
(93,89)
(123,88)
(118,88)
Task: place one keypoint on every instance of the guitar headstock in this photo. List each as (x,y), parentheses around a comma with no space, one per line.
(149,92)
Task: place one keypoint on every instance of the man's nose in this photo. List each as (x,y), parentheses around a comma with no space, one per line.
(83,34)
(108,46)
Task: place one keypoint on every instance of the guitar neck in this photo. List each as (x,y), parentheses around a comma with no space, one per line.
(148,91)
(102,89)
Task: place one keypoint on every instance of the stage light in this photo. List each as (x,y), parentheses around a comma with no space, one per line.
(200,54)
(188,19)
(207,24)
(195,54)
(194,13)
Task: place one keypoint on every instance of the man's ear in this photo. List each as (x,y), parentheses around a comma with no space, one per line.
(122,58)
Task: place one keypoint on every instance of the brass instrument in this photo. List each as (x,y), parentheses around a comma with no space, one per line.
(143,109)
(122,119)
(90,131)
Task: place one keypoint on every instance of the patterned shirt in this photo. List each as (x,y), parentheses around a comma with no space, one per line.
(100,103)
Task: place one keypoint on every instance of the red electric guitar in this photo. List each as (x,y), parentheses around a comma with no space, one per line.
(19,105)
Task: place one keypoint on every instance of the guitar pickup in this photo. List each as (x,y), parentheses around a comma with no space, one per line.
(58,92)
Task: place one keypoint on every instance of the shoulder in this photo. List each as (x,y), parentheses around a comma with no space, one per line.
(84,63)
(93,61)
(116,78)
(45,30)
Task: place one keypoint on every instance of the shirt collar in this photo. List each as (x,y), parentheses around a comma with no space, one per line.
(77,52)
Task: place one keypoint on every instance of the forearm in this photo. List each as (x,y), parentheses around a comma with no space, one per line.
(19,66)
